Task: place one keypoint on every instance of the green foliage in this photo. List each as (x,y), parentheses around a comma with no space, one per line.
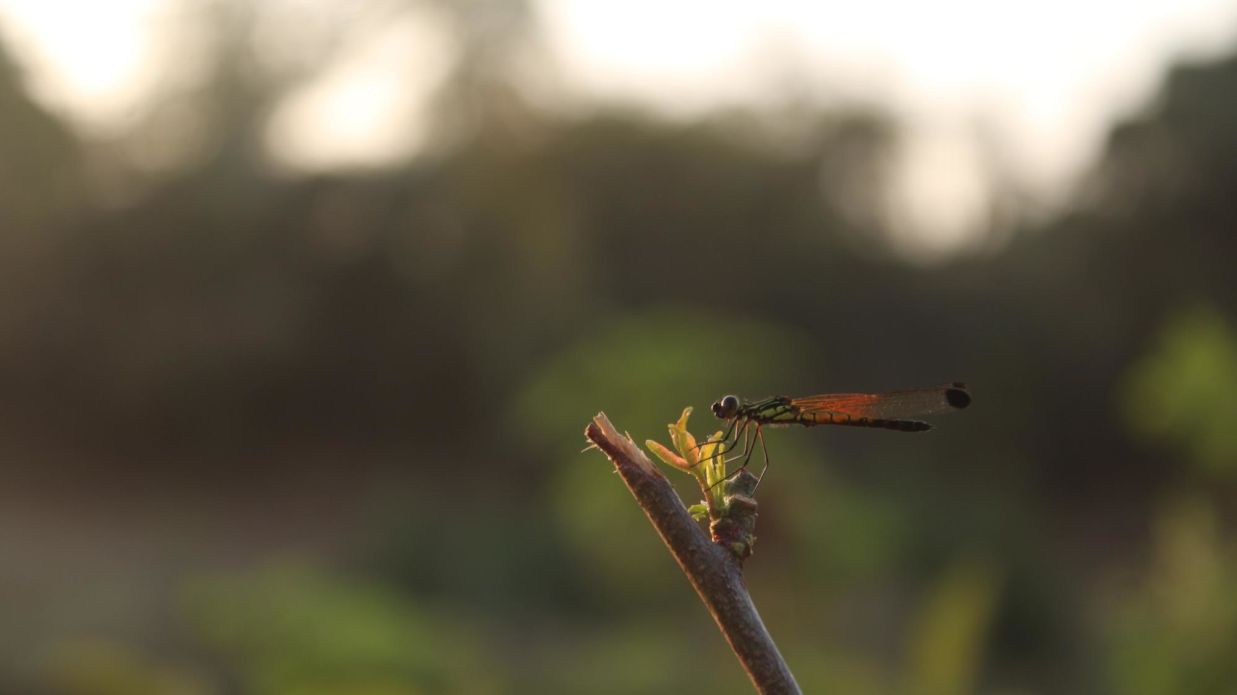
(114,668)
(297,631)
(652,655)
(947,639)
(840,670)
(844,533)
(1178,632)
(1184,390)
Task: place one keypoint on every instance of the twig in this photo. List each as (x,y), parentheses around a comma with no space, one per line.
(714,572)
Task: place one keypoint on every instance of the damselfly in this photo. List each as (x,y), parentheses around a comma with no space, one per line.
(891,410)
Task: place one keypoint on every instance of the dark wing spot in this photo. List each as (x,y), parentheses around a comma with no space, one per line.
(957,397)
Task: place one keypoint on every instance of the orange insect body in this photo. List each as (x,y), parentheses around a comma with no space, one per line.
(894,410)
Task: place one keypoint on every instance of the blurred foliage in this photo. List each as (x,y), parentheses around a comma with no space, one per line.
(845,534)
(291,630)
(1179,633)
(108,668)
(1185,390)
(205,362)
(948,637)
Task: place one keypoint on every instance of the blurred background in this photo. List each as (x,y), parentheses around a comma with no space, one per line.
(304,307)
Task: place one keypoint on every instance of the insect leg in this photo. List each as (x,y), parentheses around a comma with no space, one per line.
(722,448)
(745,430)
(749,446)
(761,436)
(721,442)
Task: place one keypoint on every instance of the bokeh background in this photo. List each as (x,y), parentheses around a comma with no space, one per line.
(304,307)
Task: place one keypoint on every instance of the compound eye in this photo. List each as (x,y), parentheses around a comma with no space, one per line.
(726,407)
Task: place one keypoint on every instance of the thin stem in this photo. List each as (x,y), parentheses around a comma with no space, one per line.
(715,573)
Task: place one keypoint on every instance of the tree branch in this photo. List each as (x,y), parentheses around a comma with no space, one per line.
(714,572)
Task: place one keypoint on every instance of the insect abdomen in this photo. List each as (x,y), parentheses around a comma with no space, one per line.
(825,418)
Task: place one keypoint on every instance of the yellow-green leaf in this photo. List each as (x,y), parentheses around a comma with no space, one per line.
(666,455)
(683,440)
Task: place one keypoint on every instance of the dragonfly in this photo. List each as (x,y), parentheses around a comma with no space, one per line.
(893,410)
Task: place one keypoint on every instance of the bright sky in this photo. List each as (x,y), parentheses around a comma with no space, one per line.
(1029,88)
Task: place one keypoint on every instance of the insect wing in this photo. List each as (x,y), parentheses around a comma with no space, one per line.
(892,405)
